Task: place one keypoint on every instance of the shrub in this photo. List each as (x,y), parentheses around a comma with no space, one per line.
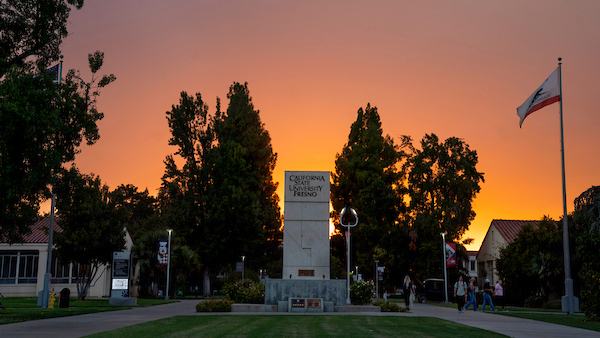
(590,296)
(553,304)
(390,307)
(361,292)
(246,291)
(534,301)
(221,305)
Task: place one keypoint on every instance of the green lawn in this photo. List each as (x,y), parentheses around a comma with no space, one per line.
(298,326)
(579,321)
(20,309)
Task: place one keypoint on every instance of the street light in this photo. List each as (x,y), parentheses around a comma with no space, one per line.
(243,266)
(377,279)
(444,265)
(168,263)
(348,226)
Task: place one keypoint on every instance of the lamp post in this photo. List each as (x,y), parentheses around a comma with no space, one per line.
(168,264)
(348,226)
(444,265)
(243,267)
(377,279)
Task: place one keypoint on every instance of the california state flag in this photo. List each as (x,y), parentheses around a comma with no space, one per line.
(547,93)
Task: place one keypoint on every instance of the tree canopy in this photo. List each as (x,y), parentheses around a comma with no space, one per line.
(222,199)
(42,123)
(367,179)
(442,181)
(32,29)
(93,226)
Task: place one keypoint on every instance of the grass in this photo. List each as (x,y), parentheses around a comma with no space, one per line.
(579,321)
(298,326)
(20,309)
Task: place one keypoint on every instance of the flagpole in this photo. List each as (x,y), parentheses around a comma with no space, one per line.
(568,300)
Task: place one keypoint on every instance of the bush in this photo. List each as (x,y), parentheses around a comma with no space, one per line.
(246,291)
(534,302)
(361,292)
(553,304)
(590,297)
(221,305)
(390,307)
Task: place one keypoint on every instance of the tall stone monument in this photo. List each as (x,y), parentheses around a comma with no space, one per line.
(305,285)
(306,225)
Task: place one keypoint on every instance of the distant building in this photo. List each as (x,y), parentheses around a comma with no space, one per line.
(470,265)
(23,266)
(501,233)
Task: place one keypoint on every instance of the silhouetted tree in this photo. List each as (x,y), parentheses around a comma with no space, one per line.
(367,179)
(93,227)
(442,181)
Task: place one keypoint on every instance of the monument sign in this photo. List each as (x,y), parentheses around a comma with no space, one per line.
(306,225)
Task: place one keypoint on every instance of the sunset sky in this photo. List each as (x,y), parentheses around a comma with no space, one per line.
(453,68)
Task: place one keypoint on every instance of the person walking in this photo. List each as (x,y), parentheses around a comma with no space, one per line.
(460,288)
(413,294)
(499,294)
(472,298)
(487,295)
(407,285)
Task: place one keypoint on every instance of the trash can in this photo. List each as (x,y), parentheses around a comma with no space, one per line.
(63,300)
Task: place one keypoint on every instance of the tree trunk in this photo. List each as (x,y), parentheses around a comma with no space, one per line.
(206,284)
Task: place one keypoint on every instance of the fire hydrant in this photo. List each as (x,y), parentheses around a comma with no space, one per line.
(51,300)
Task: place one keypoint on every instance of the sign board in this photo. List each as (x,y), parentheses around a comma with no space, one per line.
(120,274)
(120,284)
(451,255)
(380,270)
(239,266)
(307,186)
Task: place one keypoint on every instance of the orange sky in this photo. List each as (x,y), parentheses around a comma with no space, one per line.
(453,68)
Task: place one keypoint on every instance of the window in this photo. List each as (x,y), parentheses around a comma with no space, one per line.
(473,267)
(19,267)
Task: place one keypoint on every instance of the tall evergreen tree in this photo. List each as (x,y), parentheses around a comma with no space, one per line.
(183,195)
(222,201)
(245,209)
(367,179)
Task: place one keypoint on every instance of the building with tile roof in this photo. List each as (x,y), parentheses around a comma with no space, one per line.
(23,266)
(500,233)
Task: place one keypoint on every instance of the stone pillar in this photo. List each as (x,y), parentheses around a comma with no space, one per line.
(306,225)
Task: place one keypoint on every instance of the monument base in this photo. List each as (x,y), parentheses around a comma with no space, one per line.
(123,301)
(332,292)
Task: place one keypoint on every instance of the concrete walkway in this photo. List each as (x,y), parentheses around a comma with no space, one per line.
(82,325)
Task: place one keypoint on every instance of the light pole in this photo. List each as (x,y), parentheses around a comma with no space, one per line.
(243,267)
(348,226)
(168,263)
(444,265)
(377,279)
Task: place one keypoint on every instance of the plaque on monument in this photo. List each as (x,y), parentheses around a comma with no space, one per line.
(313,303)
(298,303)
(306,273)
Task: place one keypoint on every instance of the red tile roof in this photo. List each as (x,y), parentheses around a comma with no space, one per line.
(509,228)
(39,231)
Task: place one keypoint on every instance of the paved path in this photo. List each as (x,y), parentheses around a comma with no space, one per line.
(82,325)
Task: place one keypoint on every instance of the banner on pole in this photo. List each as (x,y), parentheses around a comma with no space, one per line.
(451,255)
(163,251)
